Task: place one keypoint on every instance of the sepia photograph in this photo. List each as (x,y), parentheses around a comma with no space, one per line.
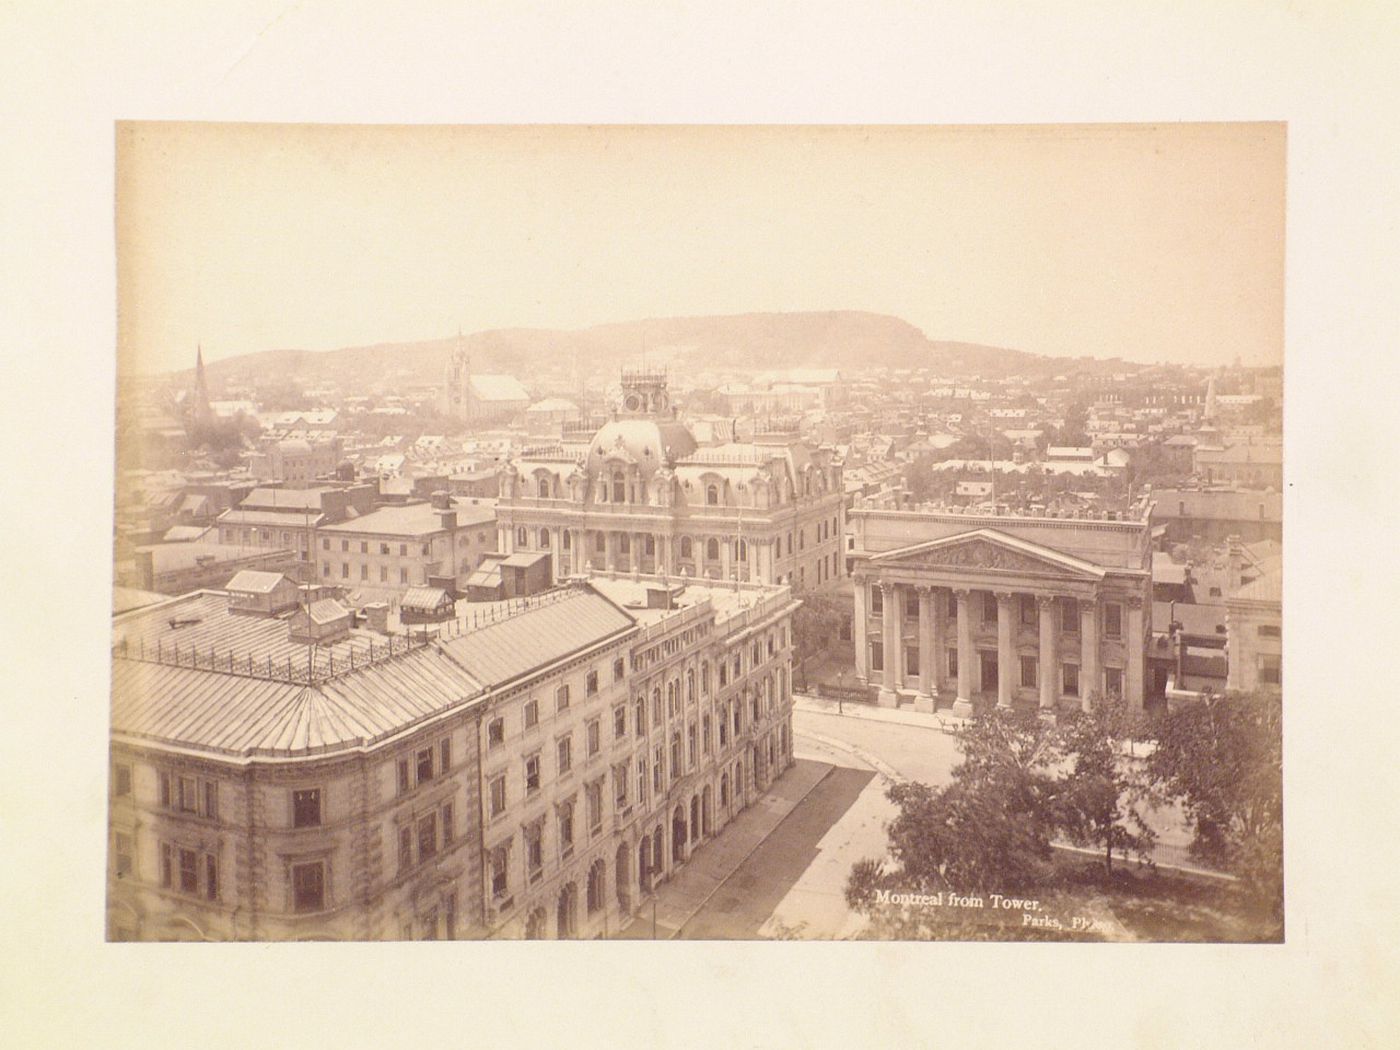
(698,532)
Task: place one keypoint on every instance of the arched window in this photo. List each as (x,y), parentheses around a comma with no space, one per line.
(544,539)
(712,549)
(689,685)
(521,537)
(596,879)
(534,925)
(543,487)
(686,551)
(566,913)
(619,488)
(712,495)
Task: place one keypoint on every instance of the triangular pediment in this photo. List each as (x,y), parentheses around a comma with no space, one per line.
(993,551)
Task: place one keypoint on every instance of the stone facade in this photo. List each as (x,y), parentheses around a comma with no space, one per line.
(1015,610)
(645,498)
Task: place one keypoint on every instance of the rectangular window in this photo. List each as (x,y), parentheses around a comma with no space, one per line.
(1113,681)
(532,713)
(449,831)
(403,550)
(989,607)
(595,738)
(723,730)
(383,548)
(641,779)
(692,737)
(211,800)
(877,656)
(403,575)
(590,683)
(534,850)
(496,732)
(364,571)
(1266,630)
(121,779)
(565,747)
(189,799)
(306,808)
(1071,680)
(1113,620)
(167,865)
(445,755)
(423,765)
(498,796)
(561,698)
(449,914)
(308,887)
(405,848)
(619,722)
(620,775)
(675,755)
(619,669)
(952,663)
(911,661)
(344,545)
(566,829)
(404,783)
(121,854)
(532,774)
(211,877)
(500,871)
(1029,678)
(705,733)
(1069,615)
(427,837)
(595,806)
(1270,670)
(383,574)
(1028,615)
(658,769)
(189,871)
(877,600)
(345,570)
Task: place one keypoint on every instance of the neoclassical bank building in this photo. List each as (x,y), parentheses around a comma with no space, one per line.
(1023,609)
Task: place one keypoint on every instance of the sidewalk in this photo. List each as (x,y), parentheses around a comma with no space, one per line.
(945,721)
(942,720)
(712,862)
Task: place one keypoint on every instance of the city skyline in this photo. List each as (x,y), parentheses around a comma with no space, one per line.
(1148,243)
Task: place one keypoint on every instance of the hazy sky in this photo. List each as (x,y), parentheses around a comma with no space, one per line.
(1146,242)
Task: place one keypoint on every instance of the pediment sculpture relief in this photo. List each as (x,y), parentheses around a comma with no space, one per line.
(979,554)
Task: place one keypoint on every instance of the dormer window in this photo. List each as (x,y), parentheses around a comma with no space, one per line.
(619,488)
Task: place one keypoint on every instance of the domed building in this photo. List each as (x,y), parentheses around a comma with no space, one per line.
(644,497)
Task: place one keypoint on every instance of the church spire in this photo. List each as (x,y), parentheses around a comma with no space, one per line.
(200,410)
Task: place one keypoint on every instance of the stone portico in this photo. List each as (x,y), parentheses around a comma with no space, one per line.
(982,615)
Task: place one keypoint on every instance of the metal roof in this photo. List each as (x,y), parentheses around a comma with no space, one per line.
(241,715)
(424,598)
(253,581)
(499,652)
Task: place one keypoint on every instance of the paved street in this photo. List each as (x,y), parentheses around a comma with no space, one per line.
(780,869)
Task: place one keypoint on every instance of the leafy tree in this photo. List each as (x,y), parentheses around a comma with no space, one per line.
(816,626)
(1222,759)
(1100,796)
(991,826)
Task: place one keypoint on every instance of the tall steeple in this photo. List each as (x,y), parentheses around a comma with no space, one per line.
(200,410)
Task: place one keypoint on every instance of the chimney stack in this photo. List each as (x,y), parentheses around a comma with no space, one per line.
(377,616)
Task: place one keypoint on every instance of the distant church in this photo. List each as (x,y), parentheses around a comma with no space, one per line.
(481,398)
(201,412)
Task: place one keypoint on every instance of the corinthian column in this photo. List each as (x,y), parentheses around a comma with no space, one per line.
(1049,655)
(963,704)
(860,615)
(1006,649)
(889,623)
(927,654)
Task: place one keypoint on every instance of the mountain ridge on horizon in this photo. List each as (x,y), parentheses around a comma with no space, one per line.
(704,342)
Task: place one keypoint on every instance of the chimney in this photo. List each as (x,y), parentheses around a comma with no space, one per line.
(1235,561)
(377,616)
